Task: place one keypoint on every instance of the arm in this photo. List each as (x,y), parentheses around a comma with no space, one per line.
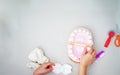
(86,59)
(82,70)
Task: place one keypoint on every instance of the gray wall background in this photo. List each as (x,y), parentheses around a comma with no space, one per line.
(26,24)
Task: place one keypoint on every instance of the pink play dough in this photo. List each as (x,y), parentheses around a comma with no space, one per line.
(77,51)
(81,38)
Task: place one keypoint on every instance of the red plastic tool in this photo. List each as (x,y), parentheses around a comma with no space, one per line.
(111,34)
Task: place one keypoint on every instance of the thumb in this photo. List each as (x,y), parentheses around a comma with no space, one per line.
(49,68)
(49,65)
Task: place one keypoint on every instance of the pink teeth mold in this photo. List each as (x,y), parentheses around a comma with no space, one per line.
(79,39)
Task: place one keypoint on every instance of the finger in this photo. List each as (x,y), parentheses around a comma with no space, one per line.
(84,52)
(91,51)
(49,69)
(93,60)
(49,64)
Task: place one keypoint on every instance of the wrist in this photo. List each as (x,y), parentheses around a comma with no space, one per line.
(83,66)
(36,73)
(82,69)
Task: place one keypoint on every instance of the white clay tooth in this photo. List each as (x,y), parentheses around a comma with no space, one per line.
(70,39)
(88,48)
(71,55)
(32,65)
(83,31)
(75,31)
(69,46)
(79,30)
(72,34)
(90,42)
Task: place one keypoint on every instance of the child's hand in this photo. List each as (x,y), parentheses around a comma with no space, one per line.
(44,68)
(87,57)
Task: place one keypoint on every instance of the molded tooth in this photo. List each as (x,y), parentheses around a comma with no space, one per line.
(83,31)
(70,39)
(71,55)
(80,30)
(90,42)
(72,34)
(75,31)
(74,58)
(88,48)
(69,46)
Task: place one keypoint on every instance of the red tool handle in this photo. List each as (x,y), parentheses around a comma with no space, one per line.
(107,42)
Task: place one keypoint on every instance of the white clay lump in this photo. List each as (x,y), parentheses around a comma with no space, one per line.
(36,57)
(32,65)
(64,69)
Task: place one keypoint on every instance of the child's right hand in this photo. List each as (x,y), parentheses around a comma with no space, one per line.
(44,68)
(87,57)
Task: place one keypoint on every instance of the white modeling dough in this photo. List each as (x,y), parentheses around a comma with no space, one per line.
(32,65)
(42,60)
(65,69)
(38,56)
(57,68)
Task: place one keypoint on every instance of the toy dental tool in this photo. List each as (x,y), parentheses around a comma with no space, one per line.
(100,54)
(117,38)
(111,34)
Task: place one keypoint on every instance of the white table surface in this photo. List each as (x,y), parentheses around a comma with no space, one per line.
(27,24)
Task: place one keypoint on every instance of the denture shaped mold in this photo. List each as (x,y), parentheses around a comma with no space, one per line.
(79,39)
